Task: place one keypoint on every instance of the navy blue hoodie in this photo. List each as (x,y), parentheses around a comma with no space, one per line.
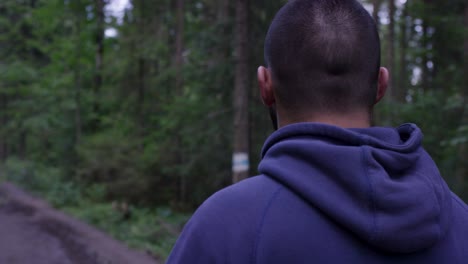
(333,195)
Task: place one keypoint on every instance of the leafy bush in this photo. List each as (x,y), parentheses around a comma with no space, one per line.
(46,181)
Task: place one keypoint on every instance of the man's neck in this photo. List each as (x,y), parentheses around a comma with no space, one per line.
(349,120)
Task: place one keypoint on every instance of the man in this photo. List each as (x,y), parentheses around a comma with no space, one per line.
(332,189)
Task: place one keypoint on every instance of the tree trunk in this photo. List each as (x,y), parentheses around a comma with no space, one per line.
(179,59)
(223,11)
(78,79)
(223,25)
(77,99)
(141,72)
(461,172)
(22,146)
(223,48)
(4,152)
(241,98)
(98,61)
(391,49)
(402,78)
(179,82)
(465,50)
(141,96)
(424,68)
(375,12)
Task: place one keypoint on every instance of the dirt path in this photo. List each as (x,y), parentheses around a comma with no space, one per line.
(33,233)
(23,242)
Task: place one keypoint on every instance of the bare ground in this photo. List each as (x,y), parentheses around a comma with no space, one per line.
(31,232)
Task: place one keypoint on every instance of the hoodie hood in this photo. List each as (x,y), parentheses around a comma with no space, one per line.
(379,183)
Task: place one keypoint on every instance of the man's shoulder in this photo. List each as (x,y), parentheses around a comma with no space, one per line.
(460,207)
(224,227)
(244,196)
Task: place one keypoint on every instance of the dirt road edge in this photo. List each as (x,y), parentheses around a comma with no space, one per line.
(80,240)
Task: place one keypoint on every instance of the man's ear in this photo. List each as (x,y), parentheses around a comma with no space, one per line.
(382,84)
(265,84)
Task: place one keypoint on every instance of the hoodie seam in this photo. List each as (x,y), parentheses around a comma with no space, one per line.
(371,193)
(357,138)
(260,225)
(440,202)
(437,204)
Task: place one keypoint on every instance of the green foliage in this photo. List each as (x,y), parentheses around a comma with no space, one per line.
(137,136)
(153,231)
(110,158)
(46,181)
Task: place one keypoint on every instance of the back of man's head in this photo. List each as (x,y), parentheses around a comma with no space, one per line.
(324,56)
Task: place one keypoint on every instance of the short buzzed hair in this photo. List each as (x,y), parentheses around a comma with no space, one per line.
(324,56)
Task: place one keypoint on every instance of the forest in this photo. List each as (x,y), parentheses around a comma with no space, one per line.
(127,113)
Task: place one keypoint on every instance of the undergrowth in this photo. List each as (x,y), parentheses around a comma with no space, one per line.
(152,230)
